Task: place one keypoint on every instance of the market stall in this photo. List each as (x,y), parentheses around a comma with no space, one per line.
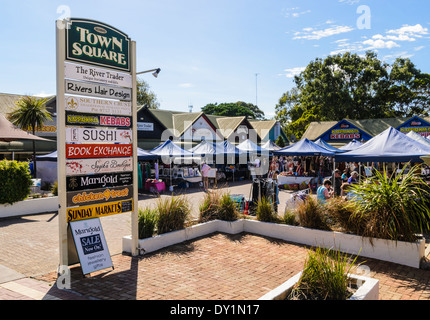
(308,163)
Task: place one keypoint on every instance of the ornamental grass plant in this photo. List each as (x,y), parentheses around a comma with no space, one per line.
(173,213)
(325,276)
(311,214)
(393,206)
(227,210)
(265,211)
(147,222)
(210,206)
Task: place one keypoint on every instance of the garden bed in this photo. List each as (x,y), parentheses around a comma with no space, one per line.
(368,288)
(404,253)
(29,207)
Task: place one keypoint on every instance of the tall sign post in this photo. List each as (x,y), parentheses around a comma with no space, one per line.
(96,134)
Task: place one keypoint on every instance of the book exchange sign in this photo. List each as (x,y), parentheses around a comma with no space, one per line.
(95,132)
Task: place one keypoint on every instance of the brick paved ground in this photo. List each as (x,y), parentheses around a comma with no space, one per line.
(226,267)
(214,267)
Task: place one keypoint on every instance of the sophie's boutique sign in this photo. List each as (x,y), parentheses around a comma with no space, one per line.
(98,44)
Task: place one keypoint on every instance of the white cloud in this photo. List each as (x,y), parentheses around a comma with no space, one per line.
(43,94)
(416,30)
(399,37)
(308,34)
(186,85)
(351,2)
(294,12)
(290,73)
(419,48)
(380,44)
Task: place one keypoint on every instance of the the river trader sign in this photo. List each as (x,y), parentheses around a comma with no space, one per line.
(97,44)
(93,74)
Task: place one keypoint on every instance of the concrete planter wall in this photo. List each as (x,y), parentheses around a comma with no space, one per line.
(369,289)
(404,253)
(28,207)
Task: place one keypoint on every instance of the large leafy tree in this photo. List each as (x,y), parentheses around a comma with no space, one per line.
(30,114)
(350,86)
(235,109)
(145,97)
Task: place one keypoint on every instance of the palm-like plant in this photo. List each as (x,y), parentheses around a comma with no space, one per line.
(30,114)
(392,207)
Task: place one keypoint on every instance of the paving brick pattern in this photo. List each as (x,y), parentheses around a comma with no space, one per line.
(215,267)
(226,267)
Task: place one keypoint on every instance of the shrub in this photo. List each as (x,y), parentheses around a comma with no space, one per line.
(311,214)
(210,207)
(15,181)
(290,218)
(172,214)
(147,222)
(392,207)
(342,212)
(54,189)
(324,277)
(227,208)
(265,211)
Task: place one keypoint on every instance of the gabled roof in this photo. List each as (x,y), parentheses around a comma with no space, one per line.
(8,101)
(263,127)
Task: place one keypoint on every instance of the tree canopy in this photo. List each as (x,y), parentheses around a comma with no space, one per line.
(145,97)
(356,87)
(234,109)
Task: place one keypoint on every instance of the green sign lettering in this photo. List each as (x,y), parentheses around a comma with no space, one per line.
(97,44)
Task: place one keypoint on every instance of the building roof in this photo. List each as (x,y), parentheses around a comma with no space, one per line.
(8,101)
(371,126)
(263,127)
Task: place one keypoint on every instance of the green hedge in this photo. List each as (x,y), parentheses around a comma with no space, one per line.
(15,181)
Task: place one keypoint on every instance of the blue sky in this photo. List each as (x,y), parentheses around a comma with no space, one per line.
(211,51)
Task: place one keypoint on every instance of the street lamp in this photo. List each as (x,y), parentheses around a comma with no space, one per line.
(155,72)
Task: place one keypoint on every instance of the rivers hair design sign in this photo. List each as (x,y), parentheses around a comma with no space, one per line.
(97,44)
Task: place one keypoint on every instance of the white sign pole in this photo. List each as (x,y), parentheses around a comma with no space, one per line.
(61,144)
(134,214)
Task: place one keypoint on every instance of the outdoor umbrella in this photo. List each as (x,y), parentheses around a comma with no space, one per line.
(10,132)
(143,155)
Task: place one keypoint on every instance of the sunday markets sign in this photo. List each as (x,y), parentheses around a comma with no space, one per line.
(97,44)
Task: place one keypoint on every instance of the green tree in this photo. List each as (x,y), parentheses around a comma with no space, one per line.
(30,114)
(234,109)
(350,86)
(145,97)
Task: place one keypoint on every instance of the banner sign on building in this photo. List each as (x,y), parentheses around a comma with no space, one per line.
(86,73)
(99,106)
(91,245)
(97,181)
(97,44)
(95,196)
(97,120)
(345,131)
(85,135)
(99,210)
(97,90)
(417,125)
(91,166)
